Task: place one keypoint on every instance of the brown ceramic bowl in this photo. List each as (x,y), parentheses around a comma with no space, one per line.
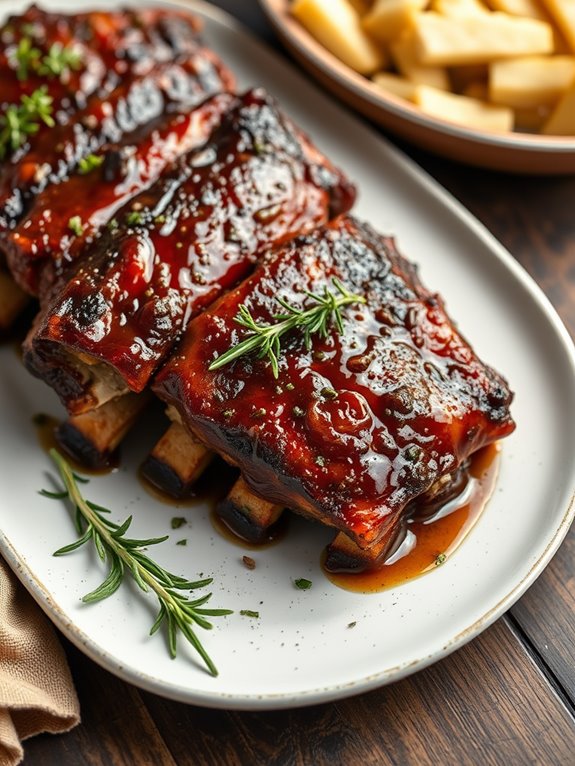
(516,152)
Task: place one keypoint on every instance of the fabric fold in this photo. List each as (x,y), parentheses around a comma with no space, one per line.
(36,689)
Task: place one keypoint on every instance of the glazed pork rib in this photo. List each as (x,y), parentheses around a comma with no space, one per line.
(45,245)
(359,426)
(129,68)
(178,246)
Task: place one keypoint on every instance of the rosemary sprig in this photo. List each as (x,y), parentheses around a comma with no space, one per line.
(125,556)
(22,120)
(265,339)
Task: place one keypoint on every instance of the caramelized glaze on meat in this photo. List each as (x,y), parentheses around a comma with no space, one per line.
(362,423)
(135,65)
(193,234)
(41,250)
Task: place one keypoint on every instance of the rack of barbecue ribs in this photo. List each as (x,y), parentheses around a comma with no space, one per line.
(124,95)
(132,67)
(176,247)
(356,424)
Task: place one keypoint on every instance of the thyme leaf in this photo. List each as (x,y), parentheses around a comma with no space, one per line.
(126,556)
(265,339)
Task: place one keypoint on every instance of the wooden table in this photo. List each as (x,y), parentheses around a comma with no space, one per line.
(506,698)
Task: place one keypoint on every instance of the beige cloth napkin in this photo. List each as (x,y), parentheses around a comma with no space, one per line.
(36,689)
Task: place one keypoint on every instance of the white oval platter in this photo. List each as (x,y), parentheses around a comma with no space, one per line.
(301,650)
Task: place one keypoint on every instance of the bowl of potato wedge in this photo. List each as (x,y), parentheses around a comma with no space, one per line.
(486,82)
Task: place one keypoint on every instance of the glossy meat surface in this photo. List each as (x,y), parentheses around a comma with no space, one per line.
(362,423)
(194,233)
(43,247)
(134,65)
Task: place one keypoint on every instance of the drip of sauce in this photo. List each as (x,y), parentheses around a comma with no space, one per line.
(428,544)
(46,426)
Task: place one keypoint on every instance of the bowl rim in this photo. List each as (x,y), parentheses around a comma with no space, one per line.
(362,87)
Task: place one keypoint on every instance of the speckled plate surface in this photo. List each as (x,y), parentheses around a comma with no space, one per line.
(301,650)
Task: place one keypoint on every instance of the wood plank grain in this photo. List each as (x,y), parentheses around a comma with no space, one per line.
(487,704)
(533,218)
(116,728)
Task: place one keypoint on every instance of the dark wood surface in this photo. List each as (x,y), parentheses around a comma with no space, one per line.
(506,698)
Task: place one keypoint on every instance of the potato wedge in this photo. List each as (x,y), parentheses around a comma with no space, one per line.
(462,110)
(337,26)
(396,84)
(563,13)
(530,81)
(388,19)
(562,119)
(404,57)
(478,39)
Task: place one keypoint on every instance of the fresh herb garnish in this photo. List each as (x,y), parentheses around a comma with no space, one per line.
(89,163)
(75,225)
(23,120)
(184,541)
(249,613)
(177,522)
(26,57)
(302,583)
(441,557)
(59,60)
(265,339)
(126,555)
(133,218)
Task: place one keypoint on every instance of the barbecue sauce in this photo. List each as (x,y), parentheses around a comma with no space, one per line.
(429,544)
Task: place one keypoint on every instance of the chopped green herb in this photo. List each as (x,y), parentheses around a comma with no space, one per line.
(59,61)
(134,218)
(302,584)
(259,413)
(298,412)
(177,522)
(89,163)
(351,624)
(290,386)
(249,613)
(320,460)
(27,57)
(75,225)
(440,559)
(182,542)
(160,219)
(328,393)
(23,120)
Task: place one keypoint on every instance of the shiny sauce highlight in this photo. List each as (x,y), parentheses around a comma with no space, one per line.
(429,544)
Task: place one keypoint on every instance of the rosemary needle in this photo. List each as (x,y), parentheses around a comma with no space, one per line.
(125,555)
(265,339)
